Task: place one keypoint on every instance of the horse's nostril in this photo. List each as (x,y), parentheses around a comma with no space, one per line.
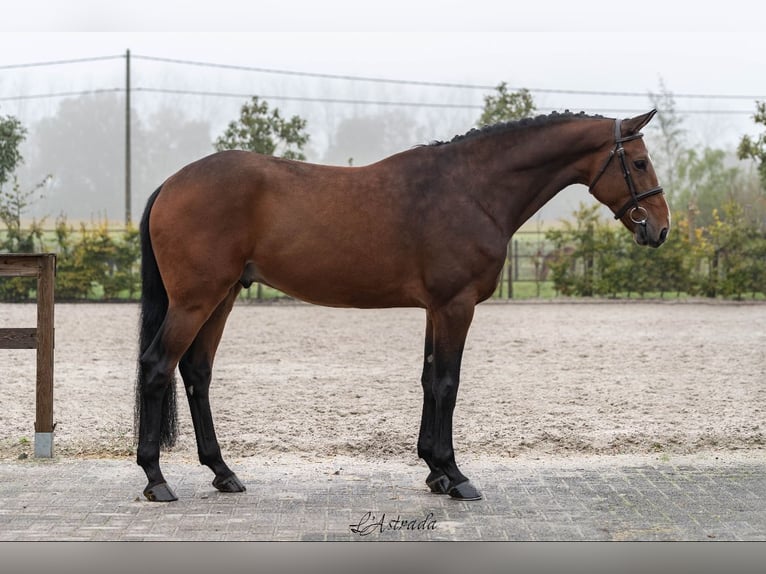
(663,234)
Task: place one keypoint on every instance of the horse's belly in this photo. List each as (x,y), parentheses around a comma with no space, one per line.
(341,279)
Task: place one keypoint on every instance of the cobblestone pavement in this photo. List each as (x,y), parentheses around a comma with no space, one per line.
(703,498)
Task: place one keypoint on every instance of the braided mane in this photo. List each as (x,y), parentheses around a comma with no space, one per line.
(502,127)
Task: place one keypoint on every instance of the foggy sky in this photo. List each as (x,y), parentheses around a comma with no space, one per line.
(590,45)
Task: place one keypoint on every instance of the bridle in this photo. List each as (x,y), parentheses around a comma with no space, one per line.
(632,203)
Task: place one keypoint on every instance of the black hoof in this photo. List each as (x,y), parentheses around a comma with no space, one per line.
(160,493)
(229,484)
(464,491)
(438,483)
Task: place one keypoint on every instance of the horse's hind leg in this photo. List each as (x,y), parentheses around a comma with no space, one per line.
(196,369)
(157,365)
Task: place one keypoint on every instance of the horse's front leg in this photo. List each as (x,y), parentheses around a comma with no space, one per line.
(437,481)
(450,328)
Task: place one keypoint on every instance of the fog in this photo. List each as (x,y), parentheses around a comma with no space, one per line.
(75,112)
(80,139)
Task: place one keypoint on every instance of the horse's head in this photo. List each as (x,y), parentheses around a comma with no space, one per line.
(625,181)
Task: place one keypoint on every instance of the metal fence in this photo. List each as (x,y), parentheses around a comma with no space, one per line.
(526,270)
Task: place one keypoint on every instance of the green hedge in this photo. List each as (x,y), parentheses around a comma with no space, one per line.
(93,262)
(592,257)
(599,258)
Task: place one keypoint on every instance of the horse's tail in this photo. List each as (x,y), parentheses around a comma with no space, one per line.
(154,306)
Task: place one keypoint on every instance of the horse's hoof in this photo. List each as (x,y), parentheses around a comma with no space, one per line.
(464,491)
(229,484)
(438,483)
(160,493)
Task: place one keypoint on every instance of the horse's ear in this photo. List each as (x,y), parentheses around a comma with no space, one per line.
(634,125)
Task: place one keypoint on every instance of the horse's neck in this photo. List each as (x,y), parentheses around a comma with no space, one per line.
(521,172)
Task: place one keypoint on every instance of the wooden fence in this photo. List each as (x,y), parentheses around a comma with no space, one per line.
(42,266)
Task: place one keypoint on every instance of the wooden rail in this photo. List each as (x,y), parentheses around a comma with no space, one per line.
(42,266)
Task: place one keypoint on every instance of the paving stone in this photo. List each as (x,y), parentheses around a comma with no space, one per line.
(73,500)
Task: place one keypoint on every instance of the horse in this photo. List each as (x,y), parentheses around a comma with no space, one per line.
(427,228)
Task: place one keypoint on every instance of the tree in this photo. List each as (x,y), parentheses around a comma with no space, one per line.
(13,203)
(705,183)
(669,125)
(364,139)
(168,140)
(505,106)
(12,133)
(13,200)
(750,148)
(83,146)
(265,131)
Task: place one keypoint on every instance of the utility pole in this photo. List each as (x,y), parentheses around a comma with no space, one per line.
(128,208)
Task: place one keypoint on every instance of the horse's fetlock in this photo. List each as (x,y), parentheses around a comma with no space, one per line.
(442,457)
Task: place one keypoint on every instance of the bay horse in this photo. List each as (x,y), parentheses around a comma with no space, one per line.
(427,227)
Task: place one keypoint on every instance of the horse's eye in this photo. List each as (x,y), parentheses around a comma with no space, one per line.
(640,164)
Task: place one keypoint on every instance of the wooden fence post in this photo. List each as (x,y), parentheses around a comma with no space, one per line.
(43,266)
(45,342)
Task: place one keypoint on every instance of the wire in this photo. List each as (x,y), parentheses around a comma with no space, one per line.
(436,84)
(58,62)
(308,99)
(392,103)
(60,94)
(353,78)
(315,74)
(349,77)
(433,105)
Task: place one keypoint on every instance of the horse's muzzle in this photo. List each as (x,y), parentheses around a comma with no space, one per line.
(644,237)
